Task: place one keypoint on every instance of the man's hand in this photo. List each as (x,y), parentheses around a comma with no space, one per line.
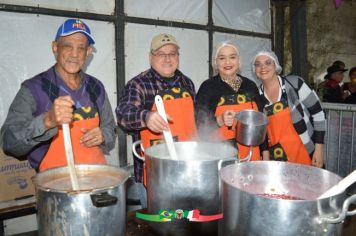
(60,113)
(92,137)
(156,123)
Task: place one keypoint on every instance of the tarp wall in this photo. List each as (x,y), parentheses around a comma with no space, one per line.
(26,38)
(26,43)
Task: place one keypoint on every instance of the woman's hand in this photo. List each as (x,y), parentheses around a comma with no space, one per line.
(227,118)
(265,155)
(318,156)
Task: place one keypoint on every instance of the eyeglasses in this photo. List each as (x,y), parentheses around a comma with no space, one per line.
(266,63)
(162,55)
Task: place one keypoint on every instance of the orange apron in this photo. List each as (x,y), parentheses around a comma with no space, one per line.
(178,104)
(284,141)
(55,155)
(181,109)
(236,103)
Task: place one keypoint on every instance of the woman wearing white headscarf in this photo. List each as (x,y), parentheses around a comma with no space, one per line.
(296,121)
(222,96)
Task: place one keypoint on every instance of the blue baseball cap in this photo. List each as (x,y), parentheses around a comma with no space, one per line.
(72,26)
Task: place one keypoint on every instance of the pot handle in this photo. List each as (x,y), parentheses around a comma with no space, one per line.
(134,146)
(226,161)
(248,157)
(343,213)
(103,199)
(222,163)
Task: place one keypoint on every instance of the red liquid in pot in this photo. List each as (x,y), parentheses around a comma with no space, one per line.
(280,196)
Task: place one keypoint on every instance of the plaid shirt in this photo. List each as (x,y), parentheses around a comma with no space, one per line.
(137,100)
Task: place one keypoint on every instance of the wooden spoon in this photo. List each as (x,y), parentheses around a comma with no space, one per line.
(341,186)
(167,134)
(70,157)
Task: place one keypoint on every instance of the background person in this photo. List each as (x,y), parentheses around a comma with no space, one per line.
(62,94)
(296,121)
(321,86)
(219,98)
(136,112)
(351,87)
(333,91)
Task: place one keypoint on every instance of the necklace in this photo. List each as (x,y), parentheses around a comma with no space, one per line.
(234,83)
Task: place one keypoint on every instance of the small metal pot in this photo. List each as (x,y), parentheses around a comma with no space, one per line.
(251,127)
(97,208)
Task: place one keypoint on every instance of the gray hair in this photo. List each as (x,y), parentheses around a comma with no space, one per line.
(269,54)
(221,45)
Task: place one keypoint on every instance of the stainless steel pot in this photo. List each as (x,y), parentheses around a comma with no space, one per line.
(191,182)
(97,208)
(255,200)
(251,127)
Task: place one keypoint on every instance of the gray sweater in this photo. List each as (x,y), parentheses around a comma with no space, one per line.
(306,110)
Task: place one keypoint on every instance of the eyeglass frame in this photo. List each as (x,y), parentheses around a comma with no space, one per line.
(267,63)
(163,56)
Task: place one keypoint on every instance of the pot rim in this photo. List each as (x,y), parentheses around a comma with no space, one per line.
(163,155)
(232,168)
(42,177)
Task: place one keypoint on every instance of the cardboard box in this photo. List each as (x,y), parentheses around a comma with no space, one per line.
(15,178)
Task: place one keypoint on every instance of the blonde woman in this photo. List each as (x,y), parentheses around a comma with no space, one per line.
(219,98)
(296,121)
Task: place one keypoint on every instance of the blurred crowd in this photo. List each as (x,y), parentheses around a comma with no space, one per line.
(334,88)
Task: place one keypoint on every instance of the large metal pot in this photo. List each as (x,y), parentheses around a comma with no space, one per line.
(190,182)
(256,200)
(97,208)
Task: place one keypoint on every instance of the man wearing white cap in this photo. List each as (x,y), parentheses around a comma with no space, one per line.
(136,113)
(63,94)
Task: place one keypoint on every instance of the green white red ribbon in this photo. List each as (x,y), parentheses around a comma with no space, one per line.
(168,215)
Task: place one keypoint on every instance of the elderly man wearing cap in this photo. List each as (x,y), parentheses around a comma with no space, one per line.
(296,121)
(332,88)
(62,94)
(136,112)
